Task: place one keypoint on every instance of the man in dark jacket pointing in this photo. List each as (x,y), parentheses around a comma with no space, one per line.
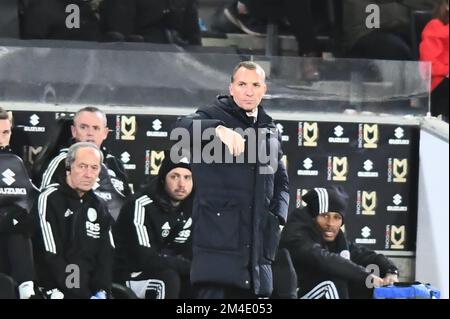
(241,191)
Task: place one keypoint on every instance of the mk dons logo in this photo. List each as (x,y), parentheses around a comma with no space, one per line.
(396,237)
(369,202)
(397,170)
(368,136)
(299,198)
(153,160)
(33,152)
(337,168)
(400,170)
(126,127)
(308,133)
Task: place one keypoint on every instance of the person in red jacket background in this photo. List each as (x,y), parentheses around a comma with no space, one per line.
(434,48)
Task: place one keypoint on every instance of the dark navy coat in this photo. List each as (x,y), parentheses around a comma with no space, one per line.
(238,207)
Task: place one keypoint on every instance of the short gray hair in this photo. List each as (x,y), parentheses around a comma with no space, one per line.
(72,153)
(249,65)
(91,109)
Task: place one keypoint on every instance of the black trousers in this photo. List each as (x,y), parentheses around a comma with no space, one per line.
(16,257)
(155,20)
(215,291)
(439,100)
(298,13)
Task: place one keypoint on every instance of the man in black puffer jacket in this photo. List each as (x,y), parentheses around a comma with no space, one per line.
(241,194)
(327,266)
(153,235)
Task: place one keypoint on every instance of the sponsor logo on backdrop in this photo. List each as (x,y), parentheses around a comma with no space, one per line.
(397,170)
(308,134)
(280,128)
(395,237)
(307,170)
(368,170)
(338,136)
(153,160)
(368,136)
(399,139)
(337,168)
(33,127)
(125,157)
(7,177)
(299,195)
(397,207)
(156,130)
(126,127)
(366,203)
(32,153)
(366,234)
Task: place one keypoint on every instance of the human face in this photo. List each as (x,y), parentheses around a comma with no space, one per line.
(329,225)
(178,184)
(5,132)
(248,88)
(90,127)
(84,170)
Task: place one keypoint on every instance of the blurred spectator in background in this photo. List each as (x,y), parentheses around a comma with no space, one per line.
(158,21)
(56,19)
(391,40)
(434,48)
(252,16)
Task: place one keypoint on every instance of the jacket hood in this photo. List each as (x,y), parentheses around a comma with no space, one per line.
(436,29)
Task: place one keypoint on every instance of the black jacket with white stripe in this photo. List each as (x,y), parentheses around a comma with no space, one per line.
(151,235)
(72,244)
(316,261)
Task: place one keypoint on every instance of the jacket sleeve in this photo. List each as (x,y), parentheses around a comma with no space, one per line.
(364,257)
(280,203)
(200,118)
(102,276)
(431,48)
(48,238)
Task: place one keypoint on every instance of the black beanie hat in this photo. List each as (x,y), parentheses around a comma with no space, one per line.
(167,164)
(324,200)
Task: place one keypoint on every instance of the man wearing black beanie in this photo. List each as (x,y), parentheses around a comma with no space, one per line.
(153,235)
(327,265)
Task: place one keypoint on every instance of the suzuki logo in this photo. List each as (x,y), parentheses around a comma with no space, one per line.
(8,177)
(365,232)
(34,120)
(280,128)
(397,199)
(125,157)
(368,165)
(338,131)
(157,125)
(307,163)
(399,133)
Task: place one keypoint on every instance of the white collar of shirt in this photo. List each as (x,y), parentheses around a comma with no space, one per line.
(253,114)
